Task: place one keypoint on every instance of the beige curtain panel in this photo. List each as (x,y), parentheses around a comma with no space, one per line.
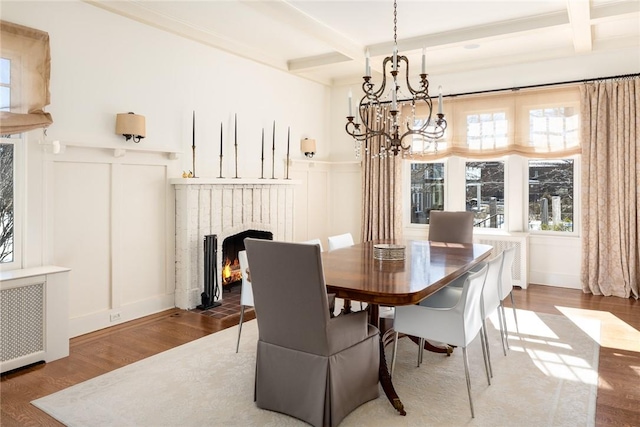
(28,51)
(381,189)
(611,188)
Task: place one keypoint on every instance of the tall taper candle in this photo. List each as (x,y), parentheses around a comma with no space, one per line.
(273,157)
(193,145)
(220,139)
(235,141)
(262,157)
(288,138)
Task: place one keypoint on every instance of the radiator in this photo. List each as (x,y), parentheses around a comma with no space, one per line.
(22,325)
(521,261)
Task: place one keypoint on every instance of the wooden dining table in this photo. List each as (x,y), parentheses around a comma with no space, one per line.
(352,273)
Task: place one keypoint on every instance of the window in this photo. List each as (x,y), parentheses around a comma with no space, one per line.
(427,190)
(9,258)
(553,128)
(485,193)
(487,130)
(551,195)
(5,84)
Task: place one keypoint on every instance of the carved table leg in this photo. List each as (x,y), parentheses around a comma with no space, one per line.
(387,385)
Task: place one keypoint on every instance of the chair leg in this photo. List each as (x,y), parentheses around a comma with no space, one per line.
(506,329)
(466,372)
(515,316)
(503,332)
(484,340)
(240,326)
(393,356)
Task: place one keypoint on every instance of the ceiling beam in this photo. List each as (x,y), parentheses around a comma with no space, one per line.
(473,34)
(580,20)
(284,12)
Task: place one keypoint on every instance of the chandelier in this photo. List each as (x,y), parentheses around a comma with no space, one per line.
(370,121)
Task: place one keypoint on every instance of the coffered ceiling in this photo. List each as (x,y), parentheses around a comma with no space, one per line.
(326,40)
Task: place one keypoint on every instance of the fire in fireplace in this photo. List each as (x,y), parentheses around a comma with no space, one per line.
(231,274)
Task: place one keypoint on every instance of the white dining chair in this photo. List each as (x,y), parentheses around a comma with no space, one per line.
(452,318)
(246,292)
(340,241)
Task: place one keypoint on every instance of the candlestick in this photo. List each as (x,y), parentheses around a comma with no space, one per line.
(439,99)
(193,144)
(367,68)
(220,150)
(273,157)
(262,157)
(193,137)
(235,132)
(424,60)
(349,100)
(288,139)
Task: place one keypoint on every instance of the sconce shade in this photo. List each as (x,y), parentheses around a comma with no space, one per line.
(131,126)
(308,147)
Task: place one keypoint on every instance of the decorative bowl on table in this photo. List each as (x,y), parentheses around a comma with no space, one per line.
(388,252)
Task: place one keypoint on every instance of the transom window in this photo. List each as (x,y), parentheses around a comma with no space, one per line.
(553,128)
(487,130)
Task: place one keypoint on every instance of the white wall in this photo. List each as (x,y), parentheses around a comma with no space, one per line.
(108,217)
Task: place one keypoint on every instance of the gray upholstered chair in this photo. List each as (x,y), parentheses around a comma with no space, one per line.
(451,227)
(308,365)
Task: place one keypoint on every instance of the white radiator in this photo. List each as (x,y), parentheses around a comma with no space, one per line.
(34,316)
(521,261)
(22,326)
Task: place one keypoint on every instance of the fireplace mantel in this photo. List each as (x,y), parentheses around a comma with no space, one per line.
(232,181)
(224,207)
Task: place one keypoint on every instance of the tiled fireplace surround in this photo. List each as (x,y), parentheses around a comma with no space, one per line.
(223,207)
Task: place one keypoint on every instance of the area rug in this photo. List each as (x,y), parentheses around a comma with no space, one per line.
(548,378)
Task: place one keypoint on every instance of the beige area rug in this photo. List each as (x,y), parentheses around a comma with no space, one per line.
(548,378)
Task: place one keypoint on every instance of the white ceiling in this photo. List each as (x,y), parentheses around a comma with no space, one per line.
(326,40)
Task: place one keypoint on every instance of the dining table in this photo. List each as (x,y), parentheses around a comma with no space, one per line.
(354,274)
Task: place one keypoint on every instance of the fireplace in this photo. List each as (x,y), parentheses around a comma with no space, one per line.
(224,207)
(231,274)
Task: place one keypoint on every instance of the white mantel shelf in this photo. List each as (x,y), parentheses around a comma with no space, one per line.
(232,181)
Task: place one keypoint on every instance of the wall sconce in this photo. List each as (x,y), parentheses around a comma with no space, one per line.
(308,147)
(130,126)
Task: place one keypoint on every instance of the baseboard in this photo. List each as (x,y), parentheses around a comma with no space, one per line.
(104,319)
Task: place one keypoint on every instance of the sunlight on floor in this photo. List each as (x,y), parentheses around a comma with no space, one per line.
(626,336)
(548,351)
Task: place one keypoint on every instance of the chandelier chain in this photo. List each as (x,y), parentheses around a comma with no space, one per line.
(395,23)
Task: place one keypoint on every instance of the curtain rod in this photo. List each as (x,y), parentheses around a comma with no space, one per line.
(622,76)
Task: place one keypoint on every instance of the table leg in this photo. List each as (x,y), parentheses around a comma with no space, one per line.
(383,370)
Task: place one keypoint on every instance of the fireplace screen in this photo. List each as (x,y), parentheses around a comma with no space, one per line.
(231,274)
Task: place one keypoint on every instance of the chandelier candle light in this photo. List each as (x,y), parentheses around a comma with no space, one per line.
(370,121)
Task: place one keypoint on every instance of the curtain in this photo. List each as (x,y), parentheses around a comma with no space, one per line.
(610,134)
(509,130)
(28,51)
(381,188)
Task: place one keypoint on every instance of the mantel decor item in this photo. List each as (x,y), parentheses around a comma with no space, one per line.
(131,126)
(220,151)
(193,145)
(388,252)
(371,123)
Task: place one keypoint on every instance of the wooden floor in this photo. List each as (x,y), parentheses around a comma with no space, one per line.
(618,402)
